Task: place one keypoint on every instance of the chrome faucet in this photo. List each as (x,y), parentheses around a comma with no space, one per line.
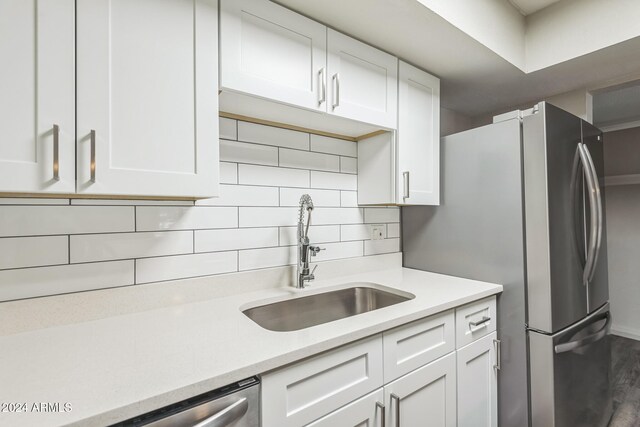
(304,249)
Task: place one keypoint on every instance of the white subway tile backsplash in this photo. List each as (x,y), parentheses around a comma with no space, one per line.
(113,246)
(268,217)
(339,250)
(337,181)
(48,220)
(375,215)
(317,234)
(337,216)
(393,230)
(228,128)
(269,135)
(19,252)
(348,165)
(243,195)
(272,176)
(264,258)
(349,199)
(325,144)
(309,160)
(242,152)
(51,246)
(152,218)
(376,247)
(359,232)
(235,238)
(291,197)
(39,281)
(184,266)
(228,173)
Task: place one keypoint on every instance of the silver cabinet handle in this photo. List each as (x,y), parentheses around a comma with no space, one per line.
(481,322)
(498,345)
(322,87)
(397,399)
(56,152)
(593,204)
(93,156)
(598,194)
(227,416)
(405,180)
(383,413)
(336,90)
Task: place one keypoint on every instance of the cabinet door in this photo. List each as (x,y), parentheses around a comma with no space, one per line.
(147,97)
(363,81)
(365,412)
(426,396)
(269,51)
(37,90)
(418,137)
(305,391)
(478,384)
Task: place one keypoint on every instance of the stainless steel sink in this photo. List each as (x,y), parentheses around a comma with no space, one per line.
(299,313)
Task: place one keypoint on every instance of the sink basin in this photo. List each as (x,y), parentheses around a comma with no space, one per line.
(303,312)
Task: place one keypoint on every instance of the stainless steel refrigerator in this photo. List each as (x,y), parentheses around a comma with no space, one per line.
(523,205)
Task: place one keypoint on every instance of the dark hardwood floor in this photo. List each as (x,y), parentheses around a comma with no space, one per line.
(625,359)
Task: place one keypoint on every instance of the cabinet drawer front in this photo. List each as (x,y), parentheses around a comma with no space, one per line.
(478,384)
(305,391)
(472,323)
(426,396)
(363,412)
(410,346)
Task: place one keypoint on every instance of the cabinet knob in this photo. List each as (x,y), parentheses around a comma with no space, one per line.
(93,156)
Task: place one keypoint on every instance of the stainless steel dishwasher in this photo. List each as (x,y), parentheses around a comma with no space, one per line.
(236,405)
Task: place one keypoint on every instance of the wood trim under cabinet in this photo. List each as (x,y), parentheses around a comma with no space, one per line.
(286,126)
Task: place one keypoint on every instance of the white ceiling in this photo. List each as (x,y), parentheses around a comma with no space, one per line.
(475,80)
(527,7)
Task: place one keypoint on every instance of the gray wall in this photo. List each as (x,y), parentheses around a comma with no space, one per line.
(622,157)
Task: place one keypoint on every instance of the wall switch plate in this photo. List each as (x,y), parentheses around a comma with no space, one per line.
(377,232)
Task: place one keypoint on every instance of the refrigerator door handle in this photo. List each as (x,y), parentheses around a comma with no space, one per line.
(593,205)
(598,194)
(589,339)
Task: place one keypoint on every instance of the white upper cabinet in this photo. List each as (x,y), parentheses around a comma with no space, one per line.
(37,86)
(403,167)
(363,81)
(269,51)
(147,97)
(418,137)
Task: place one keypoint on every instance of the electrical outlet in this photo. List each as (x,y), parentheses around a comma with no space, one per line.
(377,232)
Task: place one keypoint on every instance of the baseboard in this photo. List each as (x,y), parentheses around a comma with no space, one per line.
(624,332)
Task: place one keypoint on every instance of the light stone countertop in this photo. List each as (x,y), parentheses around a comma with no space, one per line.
(114,367)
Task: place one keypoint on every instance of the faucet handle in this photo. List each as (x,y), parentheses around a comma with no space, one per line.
(311,275)
(315,249)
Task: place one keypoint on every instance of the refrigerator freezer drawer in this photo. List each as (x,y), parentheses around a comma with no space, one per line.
(570,374)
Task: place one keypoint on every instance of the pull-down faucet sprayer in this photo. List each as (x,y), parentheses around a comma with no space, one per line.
(304,249)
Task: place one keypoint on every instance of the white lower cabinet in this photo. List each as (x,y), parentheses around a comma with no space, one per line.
(310,389)
(367,411)
(478,383)
(408,376)
(426,396)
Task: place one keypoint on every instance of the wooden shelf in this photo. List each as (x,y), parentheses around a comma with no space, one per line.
(622,180)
